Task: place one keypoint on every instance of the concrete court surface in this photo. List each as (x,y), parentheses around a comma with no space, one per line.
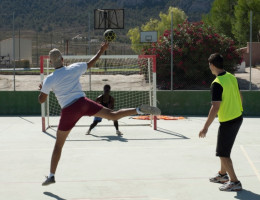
(169,164)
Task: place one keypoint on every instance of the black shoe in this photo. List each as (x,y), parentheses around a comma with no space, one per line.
(48,181)
(119,133)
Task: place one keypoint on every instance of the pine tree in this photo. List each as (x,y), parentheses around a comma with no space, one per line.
(221,16)
(241,26)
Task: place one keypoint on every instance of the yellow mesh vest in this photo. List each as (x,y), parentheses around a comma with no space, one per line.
(231,105)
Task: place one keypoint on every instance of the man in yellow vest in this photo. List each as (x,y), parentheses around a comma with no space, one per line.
(227,104)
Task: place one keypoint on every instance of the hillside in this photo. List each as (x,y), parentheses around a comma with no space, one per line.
(51,23)
(49,15)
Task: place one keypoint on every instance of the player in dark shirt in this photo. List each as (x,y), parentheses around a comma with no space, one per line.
(109,102)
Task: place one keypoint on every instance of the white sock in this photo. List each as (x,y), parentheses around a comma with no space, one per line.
(51,175)
(138,111)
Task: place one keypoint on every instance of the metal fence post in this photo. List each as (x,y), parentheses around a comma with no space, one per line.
(250,50)
(171,50)
(14,51)
(89,49)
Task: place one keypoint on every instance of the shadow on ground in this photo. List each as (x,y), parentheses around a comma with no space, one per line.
(111,138)
(247,195)
(165,131)
(53,196)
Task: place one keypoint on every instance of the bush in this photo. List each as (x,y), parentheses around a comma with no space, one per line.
(192,45)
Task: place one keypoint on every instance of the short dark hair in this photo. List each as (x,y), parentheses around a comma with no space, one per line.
(107,86)
(217,60)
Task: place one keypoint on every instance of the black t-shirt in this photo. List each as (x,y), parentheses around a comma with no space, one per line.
(105,104)
(217,90)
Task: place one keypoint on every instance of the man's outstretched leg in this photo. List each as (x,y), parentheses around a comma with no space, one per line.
(60,140)
(115,115)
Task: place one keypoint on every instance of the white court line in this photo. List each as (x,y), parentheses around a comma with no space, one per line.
(122,180)
(113,198)
(105,147)
(97,147)
(121,198)
(252,145)
(250,162)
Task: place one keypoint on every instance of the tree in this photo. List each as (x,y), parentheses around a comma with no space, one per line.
(192,45)
(241,26)
(156,25)
(221,16)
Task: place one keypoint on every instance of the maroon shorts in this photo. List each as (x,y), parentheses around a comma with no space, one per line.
(71,114)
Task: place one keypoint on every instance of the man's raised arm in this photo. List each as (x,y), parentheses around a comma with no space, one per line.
(102,49)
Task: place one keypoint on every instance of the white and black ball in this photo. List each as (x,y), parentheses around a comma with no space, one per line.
(109,35)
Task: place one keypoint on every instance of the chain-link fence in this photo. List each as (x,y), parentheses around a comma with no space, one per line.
(42,43)
(190,65)
(248,74)
(21,48)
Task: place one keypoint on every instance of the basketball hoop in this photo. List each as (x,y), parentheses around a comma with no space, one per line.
(148,36)
(109,19)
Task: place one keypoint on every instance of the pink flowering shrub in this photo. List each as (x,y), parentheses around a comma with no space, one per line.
(192,45)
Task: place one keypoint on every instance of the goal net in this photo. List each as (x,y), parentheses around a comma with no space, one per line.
(132,79)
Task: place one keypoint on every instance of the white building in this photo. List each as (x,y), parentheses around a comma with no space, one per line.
(23,49)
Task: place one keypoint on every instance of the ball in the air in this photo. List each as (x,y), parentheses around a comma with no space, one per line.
(109,35)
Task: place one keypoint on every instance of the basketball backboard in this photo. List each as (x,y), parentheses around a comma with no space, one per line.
(109,18)
(148,36)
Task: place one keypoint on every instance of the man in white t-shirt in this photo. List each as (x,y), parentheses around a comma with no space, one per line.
(64,82)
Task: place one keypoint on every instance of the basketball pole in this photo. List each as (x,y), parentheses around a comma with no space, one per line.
(171,50)
(250,51)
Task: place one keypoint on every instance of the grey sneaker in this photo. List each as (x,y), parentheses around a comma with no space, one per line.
(219,178)
(146,109)
(48,181)
(119,133)
(231,186)
(88,132)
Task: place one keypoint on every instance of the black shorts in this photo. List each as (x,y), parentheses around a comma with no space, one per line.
(227,133)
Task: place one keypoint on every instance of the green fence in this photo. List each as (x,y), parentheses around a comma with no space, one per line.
(19,103)
(170,102)
(199,102)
